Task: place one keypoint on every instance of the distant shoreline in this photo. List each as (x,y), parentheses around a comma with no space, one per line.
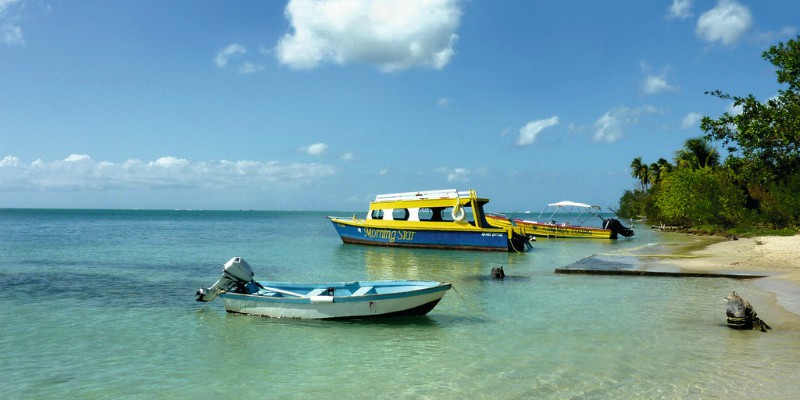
(777,256)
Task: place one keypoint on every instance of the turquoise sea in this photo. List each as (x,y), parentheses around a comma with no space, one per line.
(99,304)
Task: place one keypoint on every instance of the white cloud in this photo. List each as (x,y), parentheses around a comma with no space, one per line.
(11,34)
(733,109)
(6,4)
(691,120)
(232,52)
(10,31)
(78,158)
(657,84)
(80,172)
(455,175)
(393,35)
(443,102)
(169,162)
(680,9)
(10,161)
(654,83)
(225,54)
(458,175)
(769,38)
(528,133)
(725,23)
(610,127)
(349,156)
(316,149)
(248,68)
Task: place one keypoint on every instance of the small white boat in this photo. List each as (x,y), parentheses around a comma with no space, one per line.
(360,299)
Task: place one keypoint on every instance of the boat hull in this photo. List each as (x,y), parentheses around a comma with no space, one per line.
(545,230)
(563,231)
(354,233)
(389,301)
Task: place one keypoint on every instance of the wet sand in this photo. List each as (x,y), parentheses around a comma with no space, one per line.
(776,256)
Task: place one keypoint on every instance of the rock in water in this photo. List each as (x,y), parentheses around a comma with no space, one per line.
(497,272)
(741,314)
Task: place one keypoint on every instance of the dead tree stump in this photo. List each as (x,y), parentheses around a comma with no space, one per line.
(741,314)
(497,272)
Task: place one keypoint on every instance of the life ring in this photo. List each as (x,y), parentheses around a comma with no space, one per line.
(458,213)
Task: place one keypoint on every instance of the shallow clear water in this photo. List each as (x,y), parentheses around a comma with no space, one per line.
(100,304)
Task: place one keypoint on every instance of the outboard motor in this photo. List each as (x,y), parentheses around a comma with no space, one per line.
(236,277)
(520,243)
(617,228)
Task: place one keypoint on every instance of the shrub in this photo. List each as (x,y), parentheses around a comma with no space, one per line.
(691,197)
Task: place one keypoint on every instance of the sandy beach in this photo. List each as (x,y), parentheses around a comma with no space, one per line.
(776,256)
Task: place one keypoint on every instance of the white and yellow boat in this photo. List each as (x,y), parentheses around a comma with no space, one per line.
(445,219)
(547,226)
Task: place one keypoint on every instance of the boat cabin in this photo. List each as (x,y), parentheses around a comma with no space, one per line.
(448,205)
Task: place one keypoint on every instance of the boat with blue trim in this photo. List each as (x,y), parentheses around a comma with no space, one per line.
(241,294)
(443,219)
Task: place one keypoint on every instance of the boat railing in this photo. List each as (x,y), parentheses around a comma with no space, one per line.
(423,195)
(579,213)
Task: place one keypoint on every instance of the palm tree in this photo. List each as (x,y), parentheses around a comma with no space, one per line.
(664,165)
(639,171)
(697,153)
(654,174)
(658,170)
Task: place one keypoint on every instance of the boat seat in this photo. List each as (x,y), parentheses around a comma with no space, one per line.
(316,292)
(362,290)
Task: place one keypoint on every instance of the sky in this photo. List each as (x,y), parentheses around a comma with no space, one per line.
(321,105)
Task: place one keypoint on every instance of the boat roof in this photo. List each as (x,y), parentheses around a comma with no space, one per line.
(424,195)
(568,203)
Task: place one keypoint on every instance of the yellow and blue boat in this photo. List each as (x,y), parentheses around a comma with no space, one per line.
(443,219)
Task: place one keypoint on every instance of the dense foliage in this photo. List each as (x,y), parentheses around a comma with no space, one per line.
(756,186)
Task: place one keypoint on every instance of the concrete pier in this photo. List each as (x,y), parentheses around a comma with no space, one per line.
(633,266)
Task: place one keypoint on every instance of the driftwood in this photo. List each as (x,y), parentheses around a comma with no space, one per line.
(497,272)
(741,314)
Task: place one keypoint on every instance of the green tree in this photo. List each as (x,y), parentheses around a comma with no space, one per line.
(664,165)
(700,197)
(629,204)
(697,153)
(654,174)
(764,139)
(640,172)
(779,203)
(658,170)
(636,204)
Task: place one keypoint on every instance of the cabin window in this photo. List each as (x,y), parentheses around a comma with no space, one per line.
(425,214)
(447,214)
(377,214)
(400,214)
